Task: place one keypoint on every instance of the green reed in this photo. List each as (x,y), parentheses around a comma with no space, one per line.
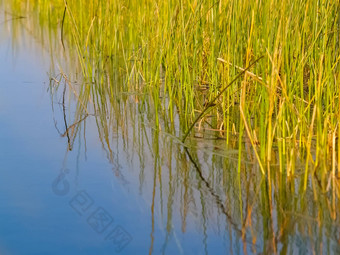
(123,92)
(182,54)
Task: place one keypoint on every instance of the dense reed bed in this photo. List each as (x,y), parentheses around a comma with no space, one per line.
(153,64)
(178,56)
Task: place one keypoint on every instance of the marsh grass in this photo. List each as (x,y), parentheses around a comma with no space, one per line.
(179,55)
(135,102)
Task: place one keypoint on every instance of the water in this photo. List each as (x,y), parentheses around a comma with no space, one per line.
(114,184)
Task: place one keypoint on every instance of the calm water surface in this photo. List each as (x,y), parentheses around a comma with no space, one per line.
(104,181)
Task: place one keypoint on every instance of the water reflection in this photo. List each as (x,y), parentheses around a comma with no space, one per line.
(161,196)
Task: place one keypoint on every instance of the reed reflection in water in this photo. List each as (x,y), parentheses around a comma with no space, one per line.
(199,202)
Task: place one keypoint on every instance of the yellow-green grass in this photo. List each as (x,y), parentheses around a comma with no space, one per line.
(124,104)
(183,54)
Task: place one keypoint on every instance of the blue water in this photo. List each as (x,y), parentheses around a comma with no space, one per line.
(143,194)
(53,201)
(34,218)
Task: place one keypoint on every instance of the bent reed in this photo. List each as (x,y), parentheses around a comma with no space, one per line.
(181,55)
